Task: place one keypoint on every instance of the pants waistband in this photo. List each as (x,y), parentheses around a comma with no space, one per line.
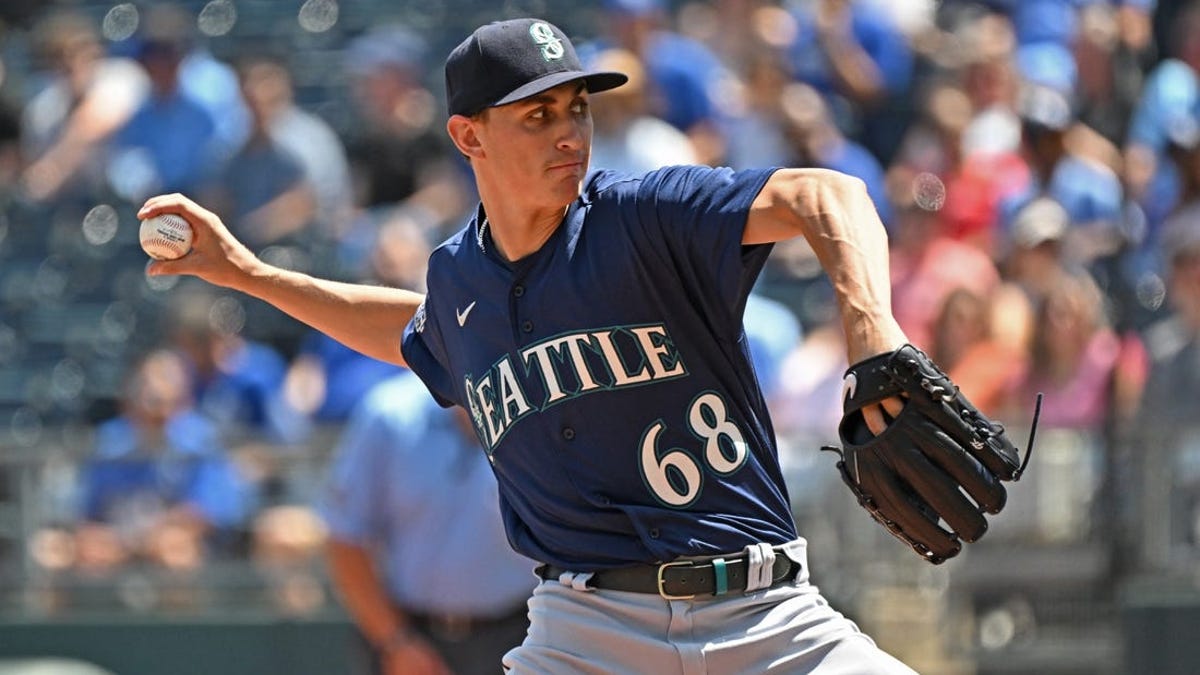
(688,577)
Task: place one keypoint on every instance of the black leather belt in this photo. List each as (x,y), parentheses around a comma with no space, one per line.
(684,579)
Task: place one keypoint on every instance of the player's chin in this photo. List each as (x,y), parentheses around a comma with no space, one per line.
(566,188)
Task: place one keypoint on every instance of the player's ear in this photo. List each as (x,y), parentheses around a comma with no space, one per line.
(463,131)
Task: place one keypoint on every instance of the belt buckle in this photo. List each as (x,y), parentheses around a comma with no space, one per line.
(661,569)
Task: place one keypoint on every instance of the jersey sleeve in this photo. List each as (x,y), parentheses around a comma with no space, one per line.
(425,353)
(698,215)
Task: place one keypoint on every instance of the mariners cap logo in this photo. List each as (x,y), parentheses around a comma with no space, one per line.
(543,35)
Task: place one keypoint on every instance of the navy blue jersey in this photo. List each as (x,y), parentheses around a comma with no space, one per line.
(608,373)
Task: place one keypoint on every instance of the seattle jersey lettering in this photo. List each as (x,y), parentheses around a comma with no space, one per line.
(563,367)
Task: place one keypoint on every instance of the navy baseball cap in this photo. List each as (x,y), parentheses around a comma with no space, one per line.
(507,61)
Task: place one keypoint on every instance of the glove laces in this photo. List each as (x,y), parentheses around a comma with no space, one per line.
(1037,412)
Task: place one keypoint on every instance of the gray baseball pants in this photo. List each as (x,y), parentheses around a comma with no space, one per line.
(785,629)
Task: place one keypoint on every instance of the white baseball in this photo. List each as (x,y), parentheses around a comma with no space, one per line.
(166,237)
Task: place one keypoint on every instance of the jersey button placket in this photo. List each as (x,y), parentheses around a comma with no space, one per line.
(516,293)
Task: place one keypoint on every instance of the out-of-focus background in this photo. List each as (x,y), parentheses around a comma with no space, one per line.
(1036,162)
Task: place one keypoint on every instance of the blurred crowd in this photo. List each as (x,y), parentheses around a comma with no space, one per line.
(1036,163)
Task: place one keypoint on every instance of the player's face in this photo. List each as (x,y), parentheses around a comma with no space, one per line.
(538,148)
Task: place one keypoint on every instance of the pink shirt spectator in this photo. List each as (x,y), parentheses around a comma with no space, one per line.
(1080,401)
(921,282)
(1079,363)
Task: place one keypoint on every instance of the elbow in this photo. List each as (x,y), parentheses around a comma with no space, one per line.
(807,202)
(845,196)
(841,198)
(824,191)
(848,190)
(806,180)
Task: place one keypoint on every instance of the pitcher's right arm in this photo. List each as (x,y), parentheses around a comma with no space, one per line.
(368,319)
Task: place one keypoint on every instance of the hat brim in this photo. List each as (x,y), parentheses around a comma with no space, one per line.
(596,82)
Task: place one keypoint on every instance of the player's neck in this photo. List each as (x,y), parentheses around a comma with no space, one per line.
(518,234)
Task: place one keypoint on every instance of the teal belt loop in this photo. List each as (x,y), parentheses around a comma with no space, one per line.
(721,577)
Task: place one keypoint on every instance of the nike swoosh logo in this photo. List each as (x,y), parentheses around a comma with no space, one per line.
(462,314)
(849,386)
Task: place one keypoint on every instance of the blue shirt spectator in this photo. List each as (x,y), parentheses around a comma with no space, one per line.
(1048,64)
(1090,194)
(1169,108)
(1054,20)
(236,382)
(189,469)
(1170,98)
(213,84)
(348,375)
(1089,191)
(1046,20)
(244,390)
(254,177)
(170,143)
(687,76)
(158,484)
(858,58)
(411,482)
(165,147)
(1166,113)
(873,30)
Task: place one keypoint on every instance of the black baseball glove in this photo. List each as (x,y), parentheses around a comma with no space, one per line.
(940,459)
